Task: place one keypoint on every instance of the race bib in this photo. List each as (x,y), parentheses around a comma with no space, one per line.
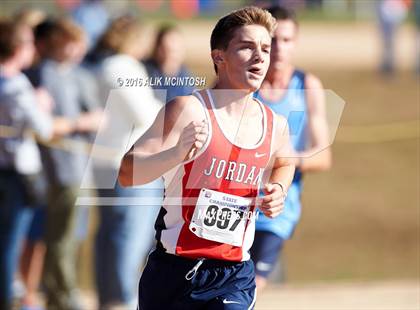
(220,217)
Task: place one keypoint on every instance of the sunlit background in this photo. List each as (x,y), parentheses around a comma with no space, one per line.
(360,222)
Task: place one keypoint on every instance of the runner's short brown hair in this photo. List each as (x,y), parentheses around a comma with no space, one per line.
(225,28)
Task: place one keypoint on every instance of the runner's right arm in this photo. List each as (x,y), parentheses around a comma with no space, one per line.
(176,135)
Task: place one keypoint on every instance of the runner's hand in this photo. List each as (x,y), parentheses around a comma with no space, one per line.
(192,139)
(272,203)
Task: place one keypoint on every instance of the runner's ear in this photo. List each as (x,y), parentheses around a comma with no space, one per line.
(217,57)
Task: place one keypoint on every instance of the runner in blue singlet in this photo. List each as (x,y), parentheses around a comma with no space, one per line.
(298,96)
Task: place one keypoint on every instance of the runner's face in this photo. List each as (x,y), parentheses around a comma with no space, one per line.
(247,57)
(283,43)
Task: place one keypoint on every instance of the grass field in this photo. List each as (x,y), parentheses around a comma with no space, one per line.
(361,219)
(400,295)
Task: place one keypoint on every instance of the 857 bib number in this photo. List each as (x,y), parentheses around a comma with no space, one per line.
(220,217)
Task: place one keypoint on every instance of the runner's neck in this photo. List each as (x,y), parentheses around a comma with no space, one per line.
(279,78)
(234,103)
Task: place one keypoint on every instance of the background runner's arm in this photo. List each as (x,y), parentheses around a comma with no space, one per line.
(283,166)
(318,156)
(282,172)
(167,143)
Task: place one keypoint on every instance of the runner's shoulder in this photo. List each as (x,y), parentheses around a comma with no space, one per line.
(188,108)
(312,81)
(281,124)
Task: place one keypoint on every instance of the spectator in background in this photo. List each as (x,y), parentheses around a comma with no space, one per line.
(168,60)
(125,232)
(75,98)
(20,110)
(33,253)
(391,14)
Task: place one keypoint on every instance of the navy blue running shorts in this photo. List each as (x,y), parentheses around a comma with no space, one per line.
(214,285)
(265,252)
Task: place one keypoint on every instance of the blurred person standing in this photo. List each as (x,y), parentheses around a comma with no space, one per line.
(21,111)
(298,96)
(391,13)
(125,233)
(75,98)
(168,61)
(33,252)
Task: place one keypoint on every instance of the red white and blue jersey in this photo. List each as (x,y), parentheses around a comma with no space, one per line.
(203,195)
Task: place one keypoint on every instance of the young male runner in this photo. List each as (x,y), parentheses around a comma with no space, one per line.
(298,96)
(214,153)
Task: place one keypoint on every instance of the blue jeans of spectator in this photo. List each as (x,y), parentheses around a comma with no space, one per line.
(124,239)
(15,219)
